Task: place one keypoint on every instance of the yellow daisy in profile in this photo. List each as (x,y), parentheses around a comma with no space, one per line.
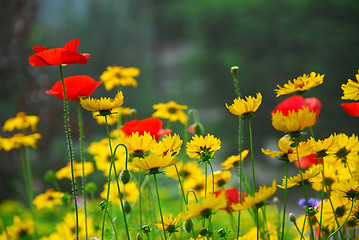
(300,84)
(205,207)
(339,206)
(203,147)
(351,89)
(19,140)
(154,162)
(323,147)
(347,148)
(128,190)
(295,121)
(233,161)
(119,76)
(21,122)
(288,153)
(168,145)
(49,199)
(264,192)
(138,145)
(103,105)
(332,176)
(169,223)
(297,180)
(113,117)
(171,111)
(188,170)
(242,107)
(67,228)
(221,178)
(65,172)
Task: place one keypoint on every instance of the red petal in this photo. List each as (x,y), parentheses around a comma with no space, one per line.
(151,125)
(56,56)
(72,45)
(296,102)
(38,49)
(307,161)
(351,108)
(76,86)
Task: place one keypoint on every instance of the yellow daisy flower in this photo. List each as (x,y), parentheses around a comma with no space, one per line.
(20,229)
(351,89)
(65,172)
(348,189)
(169,223)
(242,107)
(346,150)
(19,140)
(67,228)
(102,105)
(221,178)
(21,122)
(186,170)
(171,111)
(153,162)
(323,147)
(196,183)
(295,121)
(341,206)
(205,207)
(301,84)
(258,199)
(287,152)
(233,161)
(297,180)
(250,235)
(138,145)
(129,190)
(113,117)
(49,199)
(332,175)
(119,76)
(168,145)
(203,147)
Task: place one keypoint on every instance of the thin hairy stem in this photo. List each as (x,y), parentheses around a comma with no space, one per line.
(159,206)
(285,198)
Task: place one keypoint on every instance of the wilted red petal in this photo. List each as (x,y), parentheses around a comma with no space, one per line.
(351,108)
(76,86)
(307,161)
(67,55)
(151,125)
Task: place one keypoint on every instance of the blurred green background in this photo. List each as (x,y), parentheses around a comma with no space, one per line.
(185,50)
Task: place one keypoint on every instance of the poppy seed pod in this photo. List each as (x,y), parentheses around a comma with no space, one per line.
(125,176)
(188,225)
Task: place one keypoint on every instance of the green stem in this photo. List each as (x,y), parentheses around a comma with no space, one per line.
(305,192)
(351,208)
(113,225)
(210,164)
(300,232)
(240,171)
(140,195)
(257,222)
(159,205)
(251,144)
(205,180)
(285,198)
(29,173)
(24,172)
(83,163)
(194,194)
(235,80)
(74,192)
(322,198)
(180,182)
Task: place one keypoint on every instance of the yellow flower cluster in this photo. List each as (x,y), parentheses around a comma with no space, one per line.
(119,76)
(171,111)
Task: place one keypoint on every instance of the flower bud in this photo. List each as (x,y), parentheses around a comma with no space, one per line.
(50,176)
(125,176)
(275,200)
(198,128)
(203,232)
(127,207)
(91,187)
(292,217)
(188,225)
(234,71)
(146,229)
(139,236)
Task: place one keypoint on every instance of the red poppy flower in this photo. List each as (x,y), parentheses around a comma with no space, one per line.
(351,108)
(151,125)
(307,161)
(296,102)
(232,196)
(76,86)
(67,55)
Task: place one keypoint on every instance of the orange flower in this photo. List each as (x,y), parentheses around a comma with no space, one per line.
(56,56)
